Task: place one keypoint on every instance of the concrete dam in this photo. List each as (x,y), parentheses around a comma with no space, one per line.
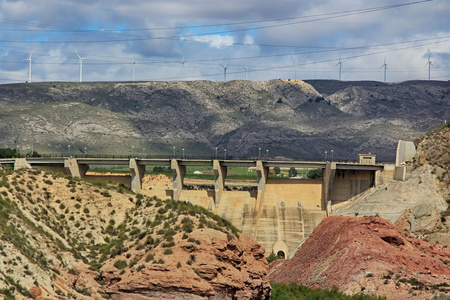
(279,213)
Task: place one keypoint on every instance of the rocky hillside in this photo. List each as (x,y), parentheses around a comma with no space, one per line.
(368,255)
(291,119)
(433,148)
(68,239)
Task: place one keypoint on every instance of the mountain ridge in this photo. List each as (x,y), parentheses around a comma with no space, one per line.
(292,119)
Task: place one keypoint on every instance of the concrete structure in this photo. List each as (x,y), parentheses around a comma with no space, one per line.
(278,213)
(405,152)
(367,159)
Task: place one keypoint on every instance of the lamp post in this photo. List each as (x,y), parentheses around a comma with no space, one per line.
(332,152)
(216,153)
(326,156)
(183,153)
(259,153)
(132,151)
(144,153)
(225,154)
(267,153)
(68,149)
(174,151)
(85,151)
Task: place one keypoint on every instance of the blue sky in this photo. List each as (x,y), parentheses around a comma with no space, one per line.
(190,39)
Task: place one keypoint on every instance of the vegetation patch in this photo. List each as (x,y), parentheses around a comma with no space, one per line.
(281,291)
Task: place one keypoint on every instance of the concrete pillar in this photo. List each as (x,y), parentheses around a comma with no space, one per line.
(262,173)
(327,190)
(400,173)
(137,173)
(220,173)
(178,173)
(21,163)
(73,168)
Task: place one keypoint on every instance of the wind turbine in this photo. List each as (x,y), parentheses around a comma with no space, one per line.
(295,67)
(182,66)
(29,68)
(133,62)
(340,67)
(385,67)
(80,64)
(246,72)
(224,72)
(429,64)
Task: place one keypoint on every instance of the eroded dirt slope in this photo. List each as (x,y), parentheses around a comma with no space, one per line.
(370,255)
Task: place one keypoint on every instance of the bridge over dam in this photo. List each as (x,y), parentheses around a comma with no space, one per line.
(278,212)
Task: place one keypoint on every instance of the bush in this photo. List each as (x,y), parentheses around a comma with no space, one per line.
(150,257)
(315,174)
(272,257)
(295,291)
(292,172)
(120,264)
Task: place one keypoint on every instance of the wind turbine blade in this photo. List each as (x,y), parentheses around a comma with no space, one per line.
(78,54)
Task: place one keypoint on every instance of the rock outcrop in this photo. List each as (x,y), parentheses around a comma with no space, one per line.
(367,254)
(212,267)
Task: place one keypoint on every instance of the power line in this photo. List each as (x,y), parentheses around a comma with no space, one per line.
(315,18)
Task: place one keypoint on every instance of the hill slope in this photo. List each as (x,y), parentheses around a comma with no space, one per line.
(292,119)
(70,239)
(367,254)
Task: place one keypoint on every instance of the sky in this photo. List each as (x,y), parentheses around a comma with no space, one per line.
(160,40)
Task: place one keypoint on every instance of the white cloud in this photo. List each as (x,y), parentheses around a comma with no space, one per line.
(214,41)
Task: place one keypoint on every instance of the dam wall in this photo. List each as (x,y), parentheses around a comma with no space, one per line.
(288,212)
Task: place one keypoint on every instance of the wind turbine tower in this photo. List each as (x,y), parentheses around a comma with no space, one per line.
(133,62)
(246,73)
(295,67)
(340,67)
(429,65)
(80,64)
(385,67)
(182,67)
(29,66)
(224,72)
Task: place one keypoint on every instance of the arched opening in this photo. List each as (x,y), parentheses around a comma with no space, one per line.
(281,254)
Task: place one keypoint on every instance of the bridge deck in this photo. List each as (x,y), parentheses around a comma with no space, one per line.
(198,162)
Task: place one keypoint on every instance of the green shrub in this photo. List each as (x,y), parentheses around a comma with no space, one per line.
(150,257)
(120,264)
(272,257)
(281,291)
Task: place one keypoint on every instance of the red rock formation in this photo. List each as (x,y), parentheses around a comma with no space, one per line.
(367,254)
(212,267)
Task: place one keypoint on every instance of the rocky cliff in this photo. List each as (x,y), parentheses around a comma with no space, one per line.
(369,255)
(291,119)
(64,238)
